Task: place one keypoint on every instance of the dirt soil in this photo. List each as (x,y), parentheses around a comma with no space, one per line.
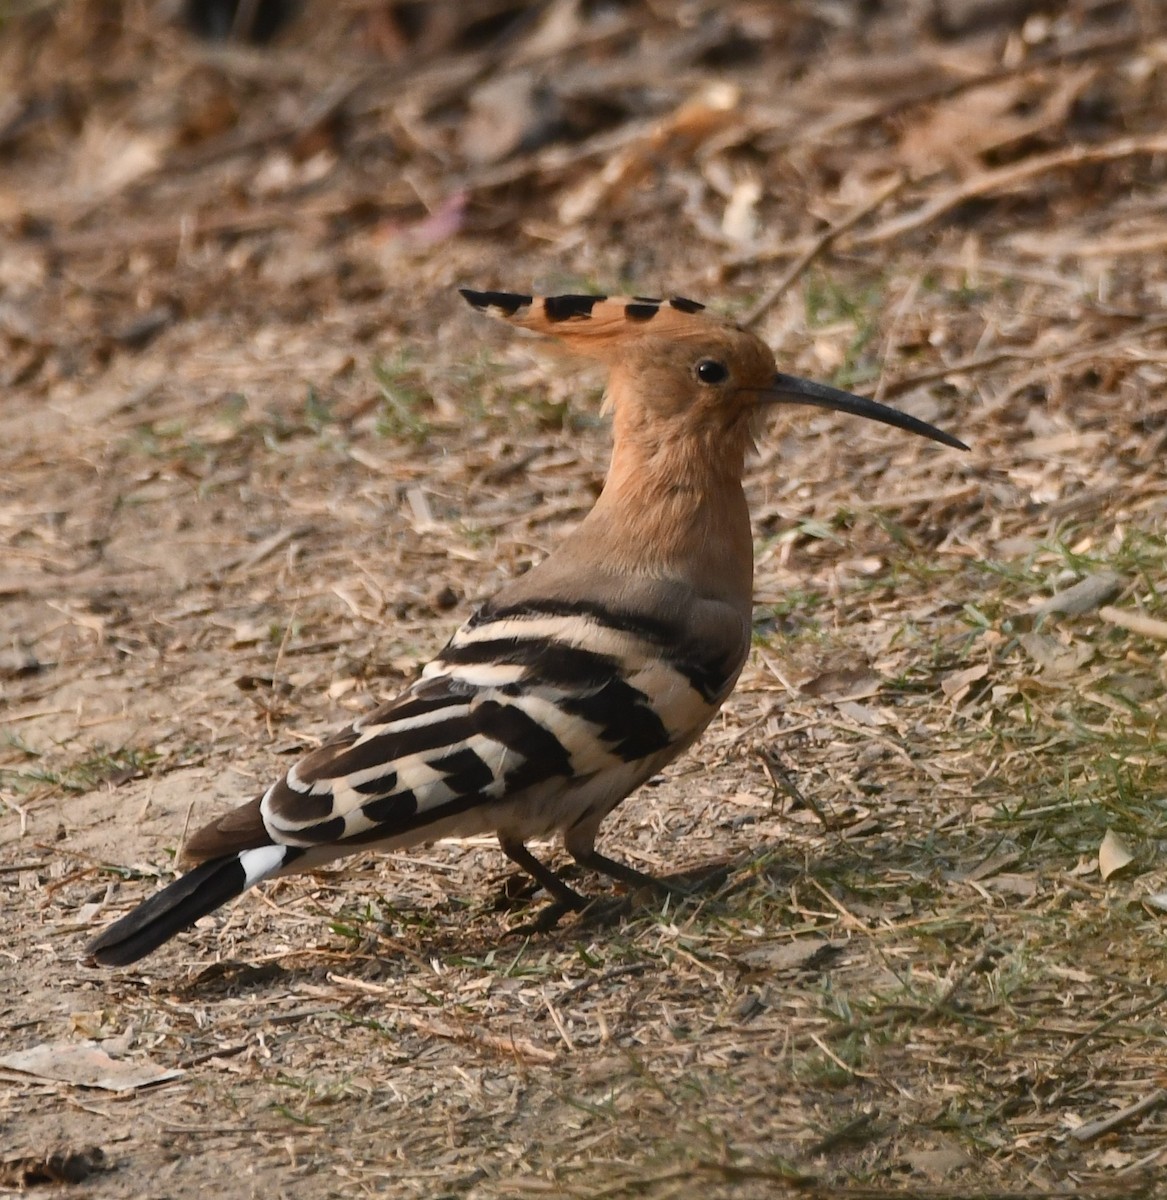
(257,460)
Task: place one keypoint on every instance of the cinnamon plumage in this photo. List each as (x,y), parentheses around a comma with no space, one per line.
(579,680)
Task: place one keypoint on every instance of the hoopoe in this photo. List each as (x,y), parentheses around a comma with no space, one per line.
(577,681)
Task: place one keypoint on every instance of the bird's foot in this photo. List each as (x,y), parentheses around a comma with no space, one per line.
(547,918)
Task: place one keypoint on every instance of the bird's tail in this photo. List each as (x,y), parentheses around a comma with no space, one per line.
(181,903)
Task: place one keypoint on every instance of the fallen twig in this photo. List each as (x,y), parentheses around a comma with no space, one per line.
(1093,1130)
(1010,176)
(818,247)
(1135,622)
(1156,1001)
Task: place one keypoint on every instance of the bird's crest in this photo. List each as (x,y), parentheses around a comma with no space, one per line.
(593,325)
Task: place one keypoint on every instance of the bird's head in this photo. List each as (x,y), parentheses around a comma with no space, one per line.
(673,367)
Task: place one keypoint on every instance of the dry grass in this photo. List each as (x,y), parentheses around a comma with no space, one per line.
(257,463)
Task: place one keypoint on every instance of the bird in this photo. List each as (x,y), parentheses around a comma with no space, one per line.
(577,681)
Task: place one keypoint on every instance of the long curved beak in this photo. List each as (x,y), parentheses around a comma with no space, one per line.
(787,389)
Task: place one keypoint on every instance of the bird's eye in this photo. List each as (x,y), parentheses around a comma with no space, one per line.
(709,370)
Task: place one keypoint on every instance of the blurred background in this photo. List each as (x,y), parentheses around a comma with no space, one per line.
(164,165)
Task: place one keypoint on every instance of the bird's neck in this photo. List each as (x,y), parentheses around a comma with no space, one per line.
(674,509)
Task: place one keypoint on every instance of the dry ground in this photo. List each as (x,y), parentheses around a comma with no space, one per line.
(257,462)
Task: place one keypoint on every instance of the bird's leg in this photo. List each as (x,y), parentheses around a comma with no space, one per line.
(582,848)
(593,860)
(566,898)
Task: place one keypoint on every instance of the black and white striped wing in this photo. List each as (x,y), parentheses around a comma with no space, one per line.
(529,701)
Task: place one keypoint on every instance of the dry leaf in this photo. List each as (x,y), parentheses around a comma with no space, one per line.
(937,1162)
(85,1064)
(341,687)
(1055,659)
(805,954)
(843,684)
(108,159)
(739,222)
(676,136)
(994,864)
(1113,854)
(970,125)
(862,714)
(505,115)
(248,633)
(1085,596)
(956,685)
(1010,884)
